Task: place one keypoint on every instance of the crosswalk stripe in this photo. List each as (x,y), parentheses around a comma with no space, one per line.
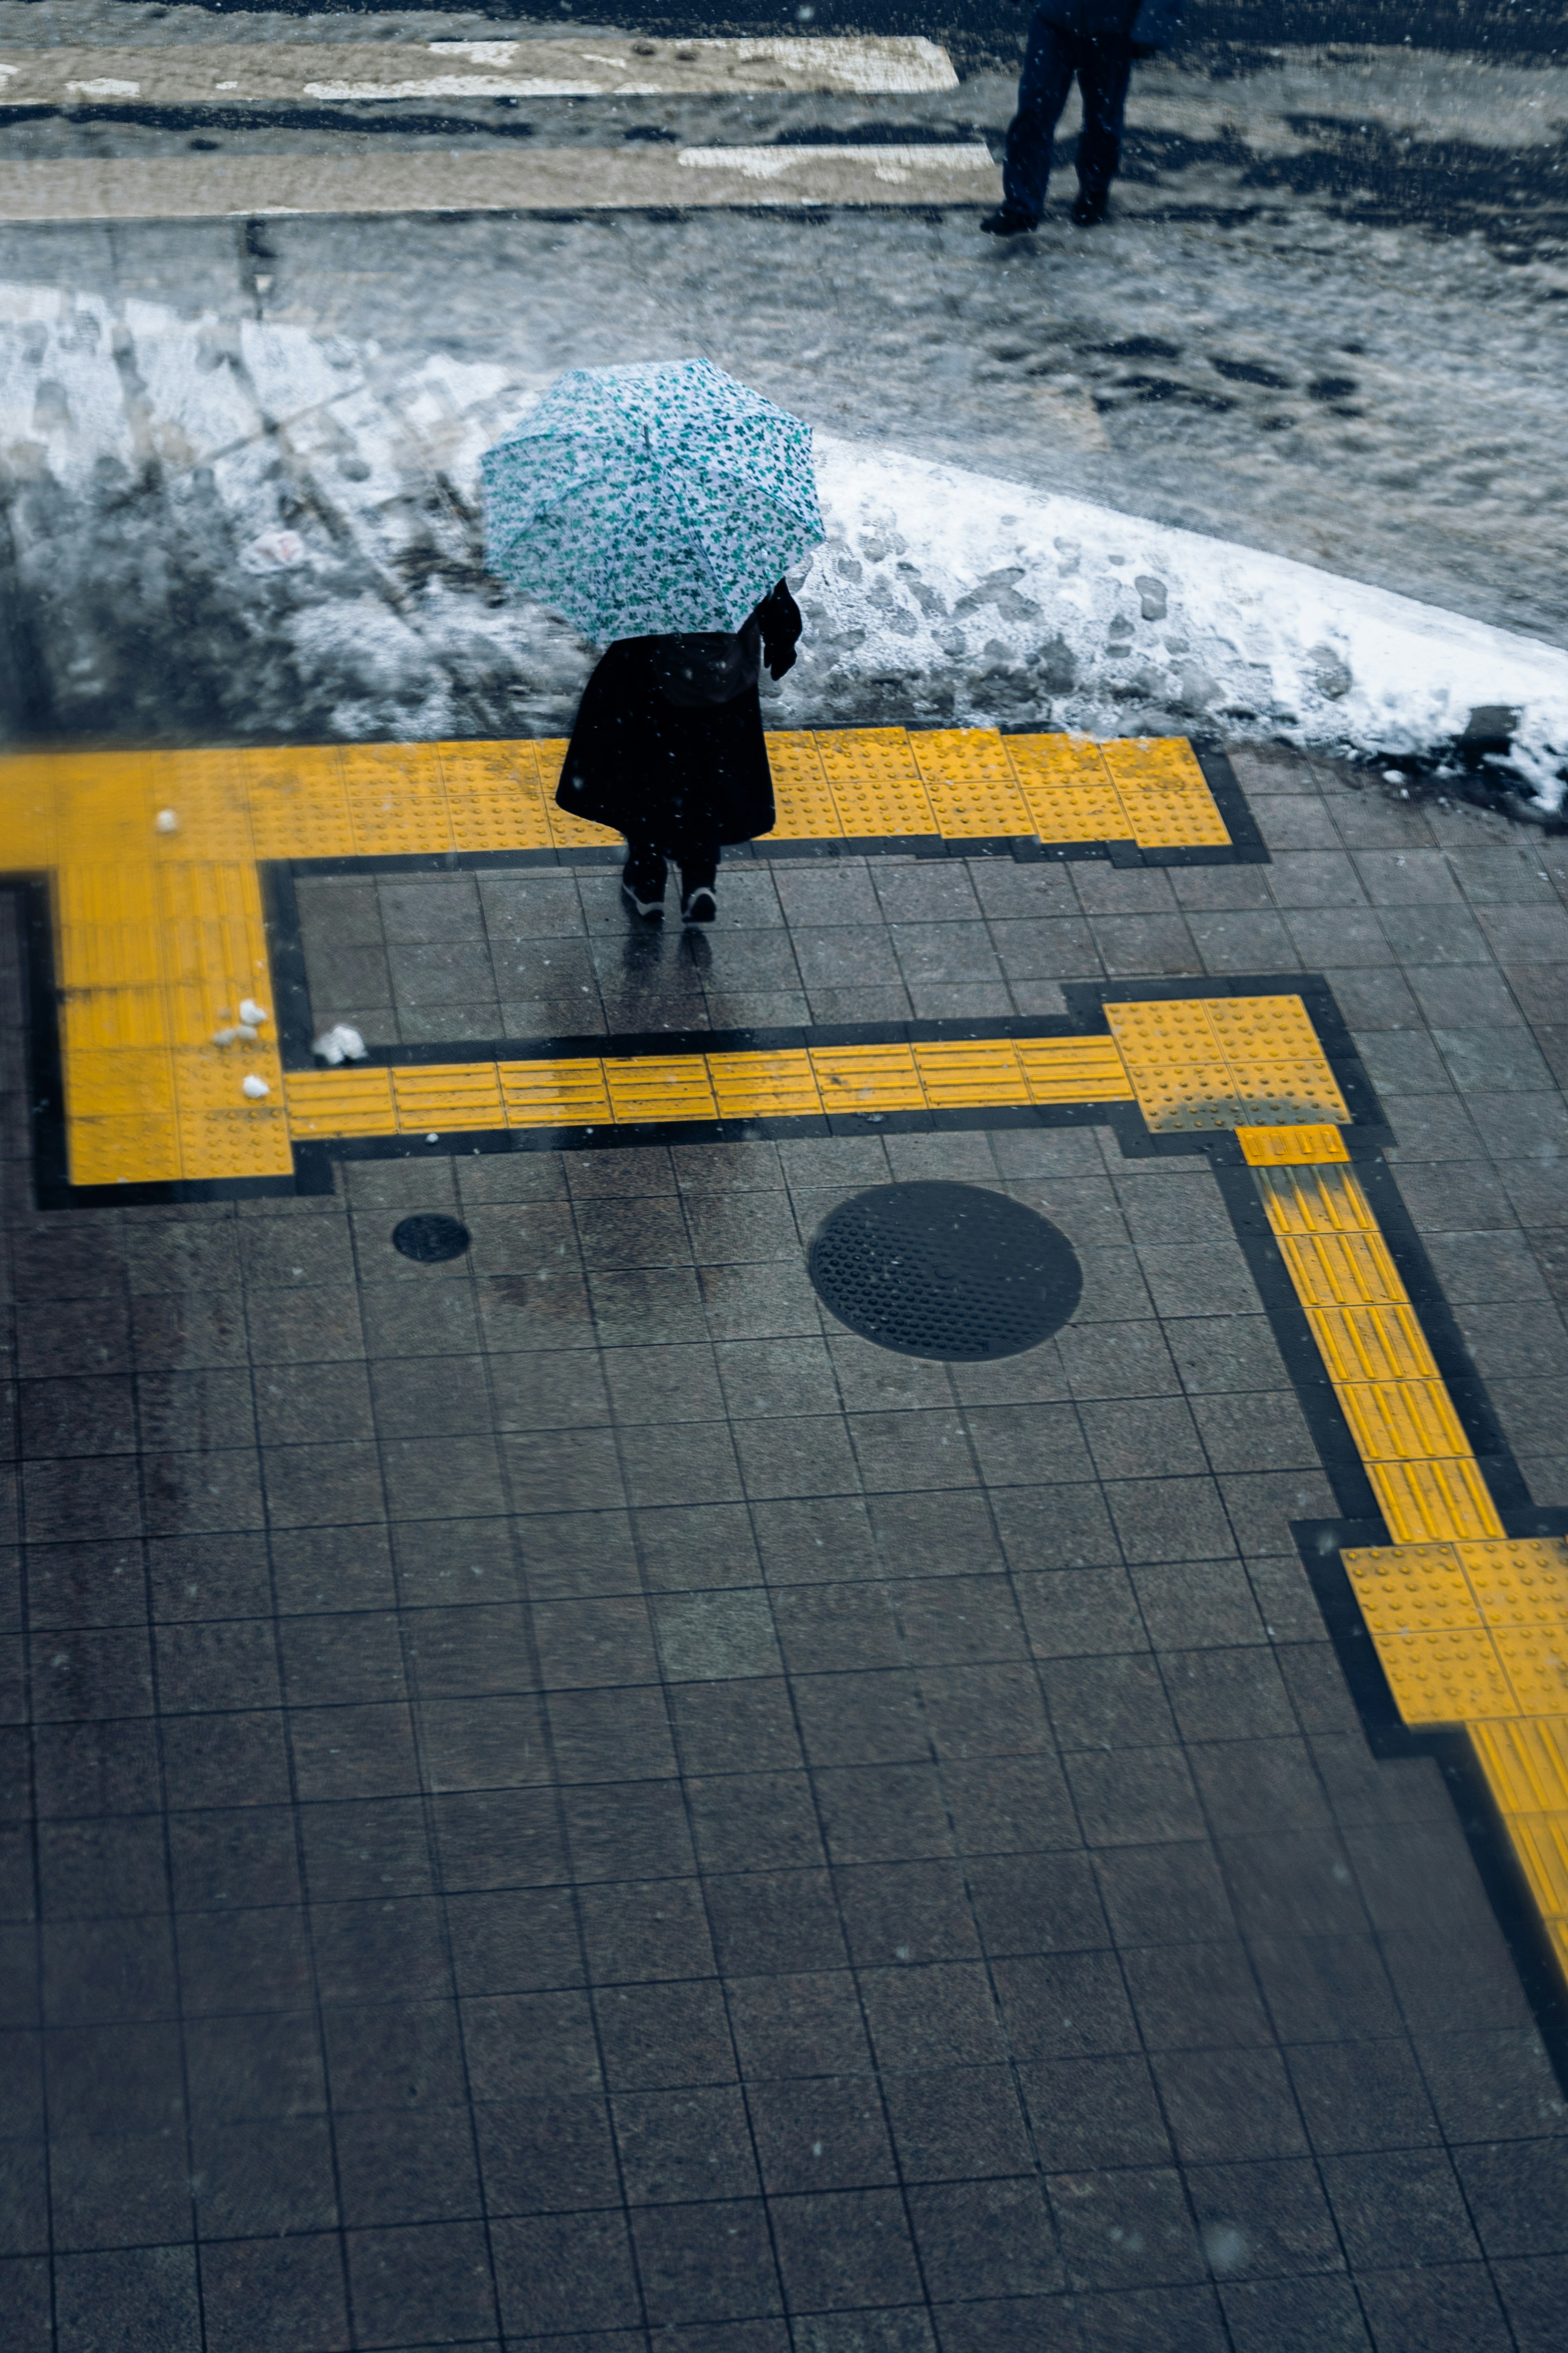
(391,179)
(285,72)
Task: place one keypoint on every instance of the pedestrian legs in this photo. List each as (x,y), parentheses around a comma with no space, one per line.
(696,855)
(1049,68)
(643,878)
(1102,78)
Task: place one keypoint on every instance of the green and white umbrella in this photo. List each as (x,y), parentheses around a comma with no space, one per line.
(644,501)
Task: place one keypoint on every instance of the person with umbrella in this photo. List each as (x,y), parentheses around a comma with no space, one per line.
(657,507)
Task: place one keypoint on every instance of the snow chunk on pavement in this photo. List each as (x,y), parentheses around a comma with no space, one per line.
(950,594)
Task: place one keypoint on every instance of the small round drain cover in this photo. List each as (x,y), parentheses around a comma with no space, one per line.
(430,1239)
(947,1271)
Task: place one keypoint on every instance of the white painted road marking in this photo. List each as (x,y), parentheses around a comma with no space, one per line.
(285,73)
(394,179)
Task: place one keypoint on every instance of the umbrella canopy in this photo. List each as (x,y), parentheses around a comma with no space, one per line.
(641,502)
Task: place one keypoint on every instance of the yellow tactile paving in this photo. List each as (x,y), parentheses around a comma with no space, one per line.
(764,1086)
(158,910)
(1471,1625)
(1066,788)
(339,1103)
(1263,1147)
(869,1079)
(1073,1070)
(1226,1061)
(637,1089)
(446,1095)
(876,783)
(806,810)
(1371,1343)
(970,782)
(645,1087)
(564,1093)
(1163,792)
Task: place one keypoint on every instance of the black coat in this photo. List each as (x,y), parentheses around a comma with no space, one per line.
(668,744)
(1116,24)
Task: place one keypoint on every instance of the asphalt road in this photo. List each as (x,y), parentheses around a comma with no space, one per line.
(989,28)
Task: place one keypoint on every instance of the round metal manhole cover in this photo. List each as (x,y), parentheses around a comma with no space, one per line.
(430,1239)
(945,1271)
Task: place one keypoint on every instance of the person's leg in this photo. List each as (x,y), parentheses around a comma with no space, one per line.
(1103,84)
(643,876)
(1042,94)
(698,856)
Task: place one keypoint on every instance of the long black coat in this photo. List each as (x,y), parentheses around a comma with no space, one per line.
(652,756)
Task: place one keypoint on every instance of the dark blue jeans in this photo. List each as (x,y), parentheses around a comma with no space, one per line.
(1103,75)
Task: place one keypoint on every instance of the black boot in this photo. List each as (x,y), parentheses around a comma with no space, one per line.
(1088,211)
(1011,220)
(643,878)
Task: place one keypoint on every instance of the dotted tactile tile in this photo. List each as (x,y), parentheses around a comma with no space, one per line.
(566,1093)
(875,784)
(1158,1032)
(212,1078)
(1445,1678)
(1066,788)
(130,1081)
(250,1141)
(1536,1658)
(1187,1096)
(867,1079)
(647,1087)
(1425,1501)
(339,1103)
(105,804)
(297,802)
(969,784)
(1371,1344)
(396,799)
(984,1071)
(1164,792)
(1519,1580)
(1263,1147)
(494,799)
(763,1086)
(1411,1589)
(566,832)
(803,798)
(437,1097)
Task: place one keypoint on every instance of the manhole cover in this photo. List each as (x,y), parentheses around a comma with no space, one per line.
(430,1239)
(948,1270)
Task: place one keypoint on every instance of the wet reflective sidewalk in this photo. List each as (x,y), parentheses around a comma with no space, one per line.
(561,1797)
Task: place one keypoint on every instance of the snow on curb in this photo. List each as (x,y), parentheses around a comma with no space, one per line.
(245,529)
(957,594)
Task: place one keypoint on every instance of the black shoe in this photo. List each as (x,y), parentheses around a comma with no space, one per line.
(1012,220)
(1089,212)
(642,888)
(699,906)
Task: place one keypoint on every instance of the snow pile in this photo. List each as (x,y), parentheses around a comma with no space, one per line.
(236,529)
(951,594)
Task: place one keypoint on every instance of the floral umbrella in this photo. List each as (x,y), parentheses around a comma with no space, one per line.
(645,501)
